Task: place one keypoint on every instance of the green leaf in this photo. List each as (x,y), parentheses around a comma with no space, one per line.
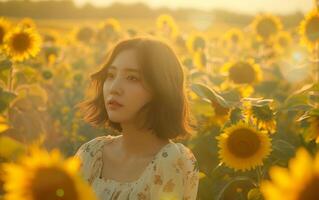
(236,115)
(254,194)
(202,107)
(208,93)
(30,97)
(194,74)
(297,102)
(307,88)
(258,101)
(308,114)
(236,179)
(26,75)
(5,99)
(303,117)
(13,148)
(3,124)
(232,96)
(5,66)
(314,112)
(282,149)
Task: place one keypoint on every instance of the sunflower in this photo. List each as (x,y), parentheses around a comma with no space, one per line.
(242,71)
(309,29)
(85,34)
(167,24)
(27,23)
(112,25)
(50,37)
(300,181)
(310,122)
(283,42)
(233,37)
(266,26)
(196,42)
(263,116)
(180,44)
(243,147)
(200,59)
(45,175)
(4,27)
(21,43)
(108,29)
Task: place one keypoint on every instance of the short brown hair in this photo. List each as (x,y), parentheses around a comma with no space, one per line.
(168,113)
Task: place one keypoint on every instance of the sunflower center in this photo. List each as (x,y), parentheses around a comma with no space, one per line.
(242,72)
(311,189)
(85,34)
(283,42)
(108,28)
(53,184)
(234,38)
(312,29)
(21,42)
(263,113)
(243,143)
(1,34)
(199,43)
(167,27)
(266,28)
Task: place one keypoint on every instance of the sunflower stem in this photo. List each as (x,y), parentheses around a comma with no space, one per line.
(316,69)
(259,175)
(10,79)
(9,88)
(316,58)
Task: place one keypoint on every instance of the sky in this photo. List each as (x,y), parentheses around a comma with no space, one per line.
(242,6)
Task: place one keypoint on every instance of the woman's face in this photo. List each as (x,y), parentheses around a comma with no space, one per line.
(123,84)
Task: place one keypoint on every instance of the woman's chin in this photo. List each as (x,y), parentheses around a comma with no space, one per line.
(116,119)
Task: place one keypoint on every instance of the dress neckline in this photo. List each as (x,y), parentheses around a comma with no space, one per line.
(110,138)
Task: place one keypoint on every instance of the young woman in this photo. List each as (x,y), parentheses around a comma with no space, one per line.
(140,92)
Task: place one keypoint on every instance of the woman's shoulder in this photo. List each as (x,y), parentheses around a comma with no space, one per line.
(89,154)
(178,154)
(178,150)
(90,147)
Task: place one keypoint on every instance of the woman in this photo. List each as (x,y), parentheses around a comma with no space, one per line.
(139,92)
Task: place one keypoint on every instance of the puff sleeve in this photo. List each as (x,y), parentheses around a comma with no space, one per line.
(176,175)
(89,154)
(83,154)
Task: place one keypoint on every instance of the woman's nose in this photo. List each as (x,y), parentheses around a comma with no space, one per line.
(116,86)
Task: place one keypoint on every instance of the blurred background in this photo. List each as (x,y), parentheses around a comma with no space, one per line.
(252,71)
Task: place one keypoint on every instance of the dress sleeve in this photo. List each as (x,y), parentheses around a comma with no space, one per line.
(83,154)
(176,176)
(90,157)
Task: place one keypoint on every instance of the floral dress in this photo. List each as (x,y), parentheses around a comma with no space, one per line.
(172,174)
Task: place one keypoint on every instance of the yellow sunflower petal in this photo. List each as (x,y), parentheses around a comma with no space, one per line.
(45,175)
(22,43)
(243,147)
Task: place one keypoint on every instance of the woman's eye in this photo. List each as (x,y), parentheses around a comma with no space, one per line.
(133,78)
(109,75)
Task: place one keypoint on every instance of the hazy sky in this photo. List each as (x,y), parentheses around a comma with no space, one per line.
(247,6)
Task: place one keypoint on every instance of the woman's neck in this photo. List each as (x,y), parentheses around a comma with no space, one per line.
(137,142)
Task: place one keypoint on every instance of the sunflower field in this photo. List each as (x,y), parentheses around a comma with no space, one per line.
(254,92)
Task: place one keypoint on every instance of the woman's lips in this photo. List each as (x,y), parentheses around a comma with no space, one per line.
(114,105)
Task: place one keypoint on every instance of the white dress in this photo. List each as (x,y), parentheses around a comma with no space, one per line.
(172,174)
